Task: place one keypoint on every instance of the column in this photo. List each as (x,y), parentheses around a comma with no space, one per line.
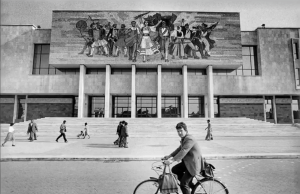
(133,97)
(209,71)
(274,110)
(158,91)
(265,114)
(81,95)
(293,121)
(26,107)
(206,106)
(15,109)
(185,92)
(107,92)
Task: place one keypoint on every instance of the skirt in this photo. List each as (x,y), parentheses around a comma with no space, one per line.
(147,46)
(10,137)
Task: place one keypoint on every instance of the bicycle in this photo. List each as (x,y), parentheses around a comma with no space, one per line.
(204,185)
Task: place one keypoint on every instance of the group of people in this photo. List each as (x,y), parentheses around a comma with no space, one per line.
(122,132)
(147,40)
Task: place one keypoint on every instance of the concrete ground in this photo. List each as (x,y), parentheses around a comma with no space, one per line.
(149,148)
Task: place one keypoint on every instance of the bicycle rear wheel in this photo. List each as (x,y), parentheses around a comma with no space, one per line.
(210,186)
(150,186)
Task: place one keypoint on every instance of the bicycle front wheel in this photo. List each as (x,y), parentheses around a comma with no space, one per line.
(210,186)
(150,186)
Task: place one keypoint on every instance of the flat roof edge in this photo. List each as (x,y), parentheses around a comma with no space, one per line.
(140,11)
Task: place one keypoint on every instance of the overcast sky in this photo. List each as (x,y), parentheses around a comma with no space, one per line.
(253,13)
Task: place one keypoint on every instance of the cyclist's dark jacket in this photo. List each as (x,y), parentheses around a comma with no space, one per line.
(189,152)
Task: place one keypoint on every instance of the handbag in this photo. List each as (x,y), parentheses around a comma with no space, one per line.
(207,170)
(167,182)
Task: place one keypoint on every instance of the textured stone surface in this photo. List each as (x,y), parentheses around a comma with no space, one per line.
(120,84)
(171,84)
(254,111)
(284,113)
(94,84)
(36,111)
(6,112)
(67,41)
(17,47)
(197,84)
(146,84)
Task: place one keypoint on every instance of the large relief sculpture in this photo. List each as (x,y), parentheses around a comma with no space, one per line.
(144,37)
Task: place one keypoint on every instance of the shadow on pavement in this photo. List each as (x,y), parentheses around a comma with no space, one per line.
(94,145)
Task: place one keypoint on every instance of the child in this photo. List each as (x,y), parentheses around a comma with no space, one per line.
(86,131)
(10,135)
(81,133)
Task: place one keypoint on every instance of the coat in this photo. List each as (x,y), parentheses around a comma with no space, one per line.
(189,152)
(32,128)
(124,131)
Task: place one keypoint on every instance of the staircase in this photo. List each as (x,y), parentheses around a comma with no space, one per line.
(157,128)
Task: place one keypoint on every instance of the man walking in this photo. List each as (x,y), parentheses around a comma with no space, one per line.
(32,129)
(62,131)
(189,154)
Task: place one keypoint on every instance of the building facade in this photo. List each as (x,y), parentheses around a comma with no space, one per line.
(85,66)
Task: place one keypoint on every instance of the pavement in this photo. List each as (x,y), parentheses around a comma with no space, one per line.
(141,148)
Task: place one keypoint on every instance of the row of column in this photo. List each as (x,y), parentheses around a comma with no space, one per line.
(82,96)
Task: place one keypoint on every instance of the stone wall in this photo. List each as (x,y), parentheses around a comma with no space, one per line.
(17,50)
(120,84)
(254,111)
(284,112)
(171,84)
(38,110)
(6,112)
(146,84)
(94,84)
(197,84)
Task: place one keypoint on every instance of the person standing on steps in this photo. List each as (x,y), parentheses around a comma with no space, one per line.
(209,131)
(62,130)
(32,129)
(10,135)
(124,135)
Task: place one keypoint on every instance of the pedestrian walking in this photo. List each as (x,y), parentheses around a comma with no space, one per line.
(209,131)
(117,142)
(62,130)
(124,135)
(86,131)
(32,129)
(10,135)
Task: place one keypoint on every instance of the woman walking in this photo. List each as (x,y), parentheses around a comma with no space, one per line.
(86,131)
(10,135)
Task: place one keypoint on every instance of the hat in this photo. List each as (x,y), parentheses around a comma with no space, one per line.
(123,26)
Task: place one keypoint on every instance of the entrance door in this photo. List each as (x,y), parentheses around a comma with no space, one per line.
(121,106)
(96,106)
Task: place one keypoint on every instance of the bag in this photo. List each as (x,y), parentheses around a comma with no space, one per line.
(167,182)
(208,169)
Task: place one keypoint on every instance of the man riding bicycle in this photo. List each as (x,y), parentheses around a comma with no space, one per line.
(189,154)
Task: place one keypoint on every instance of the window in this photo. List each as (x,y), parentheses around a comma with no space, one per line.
(196,106)
(95,71)
(41,64)
(170,106)
(121,106)
(146,71)
(249,67)
(172,71)
(196,72)
(146,106)
(295,50)
(121,71)
(297,77)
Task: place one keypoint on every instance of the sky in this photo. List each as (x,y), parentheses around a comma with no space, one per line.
(253,13)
